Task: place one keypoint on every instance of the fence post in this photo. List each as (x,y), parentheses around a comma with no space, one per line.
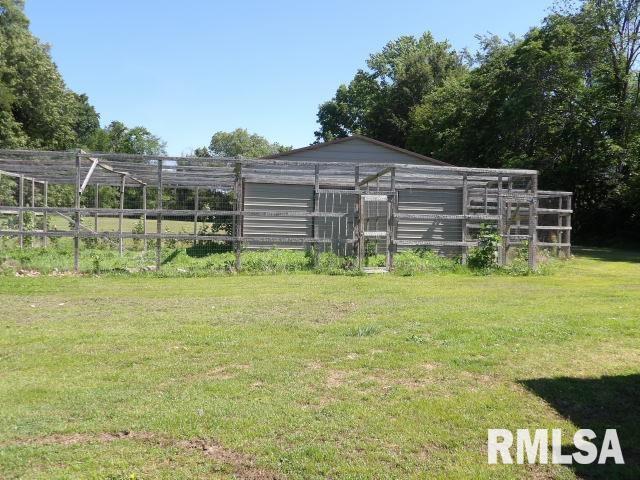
(314,220)
(391,217)
(45,215)
(357,216)
(21,213)
(159,218)
(507,216)
(196,205)
(144,218)
(121,215)
(465,200)
(558,249)
(97,205)
(500,208)
(76,237)
(239,219)
(533,223)
(567,237)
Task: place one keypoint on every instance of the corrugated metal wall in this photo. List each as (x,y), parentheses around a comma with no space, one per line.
(272,196)
(277,197)
(421,201)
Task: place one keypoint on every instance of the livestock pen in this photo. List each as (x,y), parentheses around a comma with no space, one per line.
(349,208)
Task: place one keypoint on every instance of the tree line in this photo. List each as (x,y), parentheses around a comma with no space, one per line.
(562,99)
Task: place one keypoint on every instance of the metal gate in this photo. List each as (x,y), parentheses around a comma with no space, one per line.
(374,233)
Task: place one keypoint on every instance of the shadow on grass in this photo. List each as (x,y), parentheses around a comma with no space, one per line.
(608,254)
(598,404)
(205,249)
(169,258)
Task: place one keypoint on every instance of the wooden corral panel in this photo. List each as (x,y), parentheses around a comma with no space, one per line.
(277,197)
(338,229)
(430,201)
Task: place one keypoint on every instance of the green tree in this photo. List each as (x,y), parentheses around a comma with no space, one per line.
(563,100)
(378,102)
(37,110)
(201,152)
(242,144)
(118,138)
(87,120)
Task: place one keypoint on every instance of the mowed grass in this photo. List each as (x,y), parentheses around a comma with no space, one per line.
(108,224)
(111,224)
(314,376)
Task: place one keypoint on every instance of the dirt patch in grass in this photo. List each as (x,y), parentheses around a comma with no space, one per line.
(325,313)
(226,372)
(477,379)
(340,310)
(420,379)
(242,465)
(336,378)
(540,472)
(427,451)
(383,378)
(314,365)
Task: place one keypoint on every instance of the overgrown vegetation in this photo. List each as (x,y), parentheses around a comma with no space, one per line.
(485,255)
(422,260)
(103,258)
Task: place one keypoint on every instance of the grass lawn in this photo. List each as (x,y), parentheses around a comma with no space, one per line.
(110,224)
(315,376)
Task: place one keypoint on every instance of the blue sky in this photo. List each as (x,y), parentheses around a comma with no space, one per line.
(187,69)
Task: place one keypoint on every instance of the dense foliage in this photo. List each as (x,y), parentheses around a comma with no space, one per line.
(117,137)
(563,99)
(378,102)
(240,144)
(485,255)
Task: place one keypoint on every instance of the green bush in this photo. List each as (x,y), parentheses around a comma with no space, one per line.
(29,223)
(96,259)
(203,247)
(485,255)
(89,242)
(179,262)
(138,228)
(221,262)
